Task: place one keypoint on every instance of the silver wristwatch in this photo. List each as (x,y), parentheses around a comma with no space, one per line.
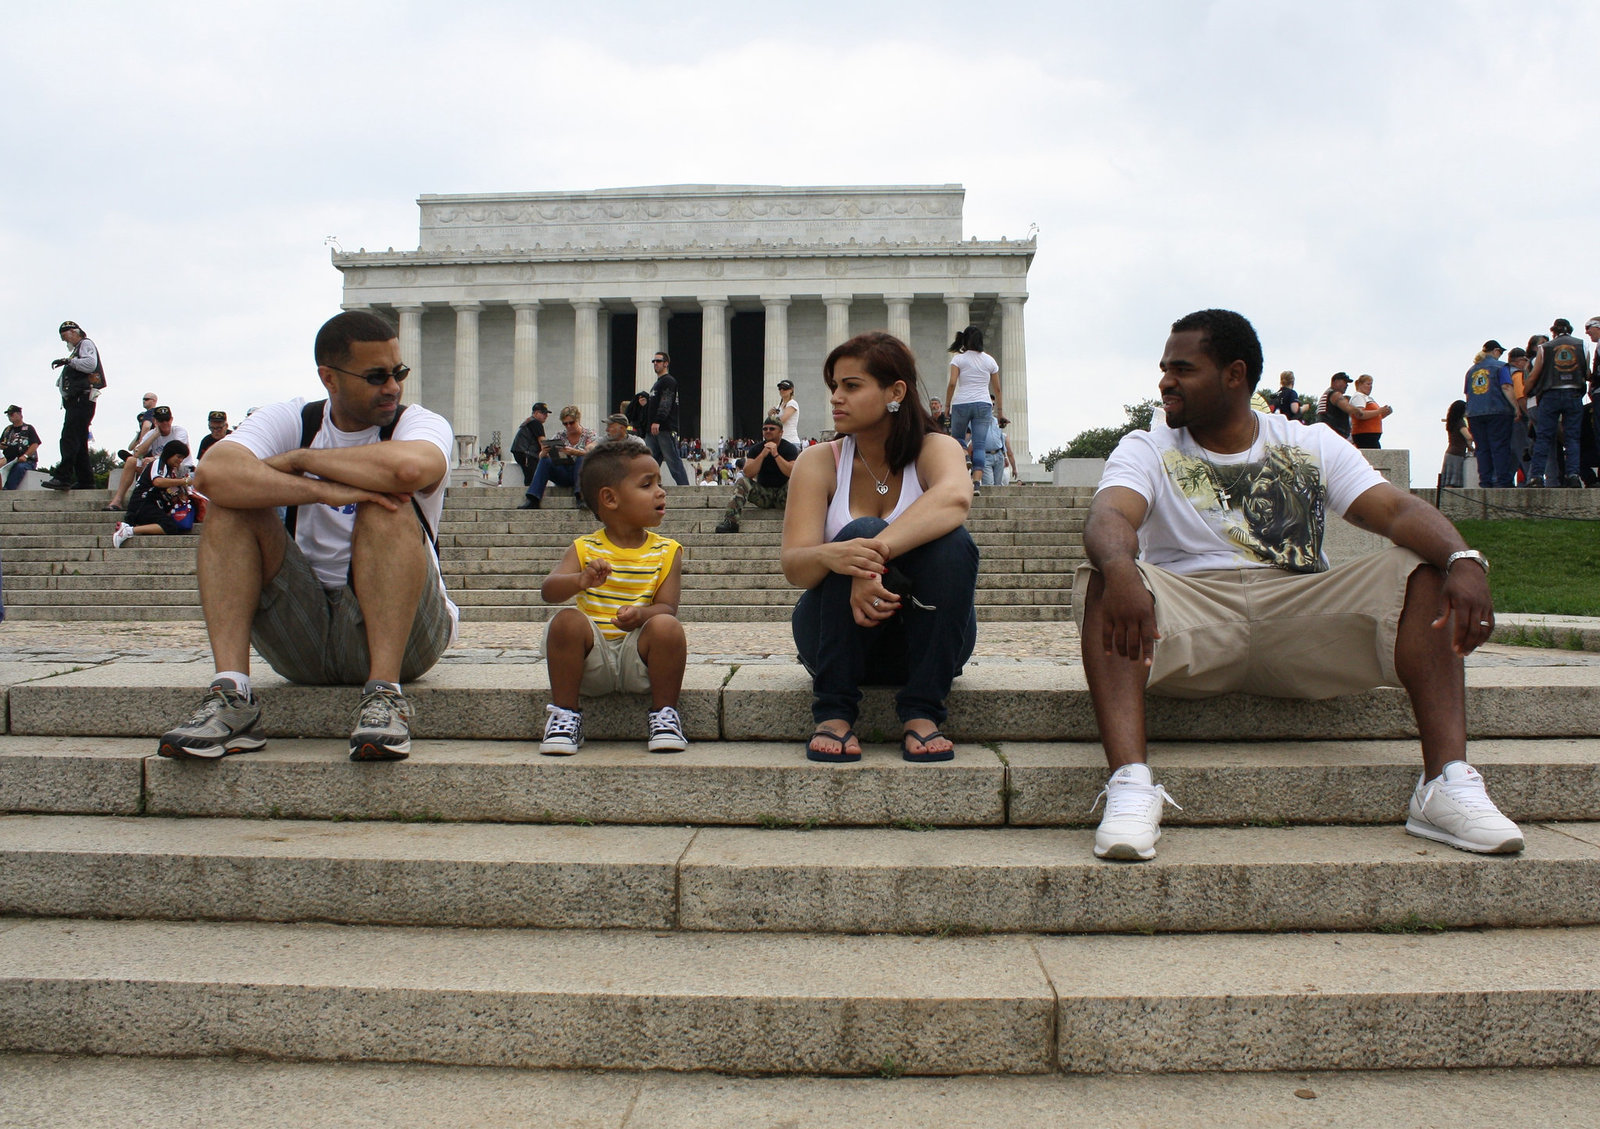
(1467,555)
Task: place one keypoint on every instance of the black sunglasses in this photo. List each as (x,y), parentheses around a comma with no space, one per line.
(381,377)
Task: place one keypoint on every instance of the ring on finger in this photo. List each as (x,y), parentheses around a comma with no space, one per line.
(1483,623)
(876,601)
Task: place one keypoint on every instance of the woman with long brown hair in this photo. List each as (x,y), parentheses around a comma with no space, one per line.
(875,532)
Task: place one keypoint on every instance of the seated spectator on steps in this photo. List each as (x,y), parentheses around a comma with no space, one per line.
(561,459)
(343,589)
(160,503)
(875,533)
(20,443)
(525,444)
(764,481)
(1206,576)
(145,452)
(217,422)
(617,428)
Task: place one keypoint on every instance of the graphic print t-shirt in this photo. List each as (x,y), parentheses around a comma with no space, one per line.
(1262,508)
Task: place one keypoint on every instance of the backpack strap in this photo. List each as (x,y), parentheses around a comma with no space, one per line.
(311,416)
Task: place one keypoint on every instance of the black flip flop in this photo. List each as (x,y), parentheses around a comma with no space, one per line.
(923,757)
(841,757)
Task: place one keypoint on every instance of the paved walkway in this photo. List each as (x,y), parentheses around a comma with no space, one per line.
(1047,643)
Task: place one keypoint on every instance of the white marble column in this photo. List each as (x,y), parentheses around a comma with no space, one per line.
(1014,374)
(586,357)
(464,419)
(649,342)
(716,382)
(838,330)
(524,359)
(957,314)
(411,352)
(775,343)
(899,317)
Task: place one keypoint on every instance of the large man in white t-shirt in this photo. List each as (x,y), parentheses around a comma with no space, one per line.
(1207,576)
(353,595)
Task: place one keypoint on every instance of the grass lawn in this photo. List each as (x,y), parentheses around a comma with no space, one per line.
(1549,567)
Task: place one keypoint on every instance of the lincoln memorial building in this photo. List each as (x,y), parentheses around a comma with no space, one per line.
(564,297)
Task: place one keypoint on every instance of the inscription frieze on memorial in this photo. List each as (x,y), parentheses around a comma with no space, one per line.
(677,216)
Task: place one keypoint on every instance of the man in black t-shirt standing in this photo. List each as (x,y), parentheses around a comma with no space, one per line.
(662,415)
(765,484)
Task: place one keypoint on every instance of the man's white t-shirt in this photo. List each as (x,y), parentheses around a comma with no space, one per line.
(178,434)
(1261,508)
(323,532)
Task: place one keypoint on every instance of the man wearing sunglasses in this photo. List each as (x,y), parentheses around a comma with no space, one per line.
(353,595)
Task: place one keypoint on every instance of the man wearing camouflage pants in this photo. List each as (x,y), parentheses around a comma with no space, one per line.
(765,484)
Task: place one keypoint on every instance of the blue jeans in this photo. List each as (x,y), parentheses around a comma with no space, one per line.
(664,447)
(562,474)
(979,417)
(1558,407)
(1491,435)
(19,469)
(920,651)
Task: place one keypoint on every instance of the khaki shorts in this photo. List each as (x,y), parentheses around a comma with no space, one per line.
(316,636)
(1270,632)
(613,666)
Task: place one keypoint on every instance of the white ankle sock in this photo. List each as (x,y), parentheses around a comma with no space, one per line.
(238,678)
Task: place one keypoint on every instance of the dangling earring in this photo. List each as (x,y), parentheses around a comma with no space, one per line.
(892,406)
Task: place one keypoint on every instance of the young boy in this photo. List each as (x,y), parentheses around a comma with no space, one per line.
(623,635)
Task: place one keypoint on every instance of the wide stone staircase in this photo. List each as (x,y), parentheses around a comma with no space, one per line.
(736,908)
(59,563)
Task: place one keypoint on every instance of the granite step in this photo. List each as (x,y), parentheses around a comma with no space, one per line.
(770,785)
(70,1091)
(741,880)
(820,1004)
(994,700)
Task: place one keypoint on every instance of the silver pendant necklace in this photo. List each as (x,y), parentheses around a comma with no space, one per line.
(1225,493)
(882,486)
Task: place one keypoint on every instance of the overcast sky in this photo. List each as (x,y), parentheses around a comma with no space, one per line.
(1378,186)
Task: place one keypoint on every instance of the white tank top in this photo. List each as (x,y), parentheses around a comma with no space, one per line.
(791,426)
(844,461)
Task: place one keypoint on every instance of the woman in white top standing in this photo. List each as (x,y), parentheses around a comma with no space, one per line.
(788,411)
(973,396)
(875,532)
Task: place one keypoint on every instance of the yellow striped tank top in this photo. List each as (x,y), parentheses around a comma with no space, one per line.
(636,575)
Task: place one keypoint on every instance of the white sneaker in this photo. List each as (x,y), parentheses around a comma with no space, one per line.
(666,731)
(1132,822)
(563,732)
(1454,808)
(124,531)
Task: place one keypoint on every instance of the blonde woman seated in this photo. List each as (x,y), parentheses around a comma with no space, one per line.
(875,532)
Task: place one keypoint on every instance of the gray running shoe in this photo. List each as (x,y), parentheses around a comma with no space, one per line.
(382,732)
(226,722)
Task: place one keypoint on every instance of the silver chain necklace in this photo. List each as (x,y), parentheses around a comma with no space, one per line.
(1224,493)
(882,486)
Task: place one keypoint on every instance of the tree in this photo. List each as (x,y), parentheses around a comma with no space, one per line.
(1099,442)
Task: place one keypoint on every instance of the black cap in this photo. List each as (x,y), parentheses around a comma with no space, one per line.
(66,325)
(12,408)
(785,383)
(539,406)
(1344,376)
(771,421)
(1493,344)
(215,416)
(1517,354)
(161,412)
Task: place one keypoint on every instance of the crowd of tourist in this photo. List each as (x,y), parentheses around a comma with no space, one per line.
(1521,412)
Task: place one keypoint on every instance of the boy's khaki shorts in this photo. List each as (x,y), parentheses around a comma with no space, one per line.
(613,666)
(1270,632)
